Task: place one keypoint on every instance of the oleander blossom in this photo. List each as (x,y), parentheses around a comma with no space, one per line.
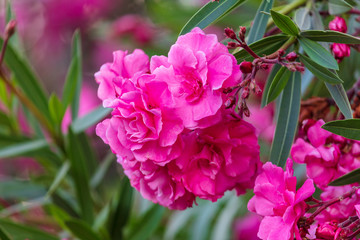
(327,156)
(278,201)
(168,127)
(197,70)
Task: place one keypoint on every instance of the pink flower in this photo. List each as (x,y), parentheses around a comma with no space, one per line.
(278,201)
(246,228)
(357,208)
(339,211)
(141,122)
(197,70)
(262,119)
(340,50)
(124,66)
(210,164)
(156,184)
(338,24)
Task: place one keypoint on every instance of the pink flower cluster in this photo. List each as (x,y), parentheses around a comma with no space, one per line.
(169,127)
(327,156)
(340,50)
(278,201)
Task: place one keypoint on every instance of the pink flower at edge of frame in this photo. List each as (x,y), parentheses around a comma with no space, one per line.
(278,201)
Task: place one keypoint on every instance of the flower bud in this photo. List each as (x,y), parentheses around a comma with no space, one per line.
(291,57)
(230,33)
(338,24)
(246,67)
(10,28)
(232,45)
(230,102)
(281,52)
(340,50)
(245,93)
(327,230)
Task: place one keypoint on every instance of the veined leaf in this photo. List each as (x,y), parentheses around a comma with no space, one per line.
(302,18)
(330,36)
(285,23)
(210,13)
(4,235)
(318,54)
(338,93)
(287,120)
(266,45)
(349,128)
(269,80)
(258,28)
(56,109)
(278,84)
(349,178)
(319,71)
(338,7)
(59,178)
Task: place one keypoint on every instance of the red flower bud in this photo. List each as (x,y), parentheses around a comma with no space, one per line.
(246,67)
(232,45)
(230,33)
(230,102)
(338,24)
(340,50)
(326,230)
(10,28)
(291,57)
(281,52)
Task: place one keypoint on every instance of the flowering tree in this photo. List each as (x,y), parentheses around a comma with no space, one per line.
(268,110)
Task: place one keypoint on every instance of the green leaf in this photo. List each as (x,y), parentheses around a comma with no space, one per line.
(266,45)
(303,18)
(61,174)
(83,123)
(23,148)
(81,230)
(278,84)
(330,36)
(269,80)
(349,178)
(147,224)
(338,7)
(21,232)
(349,128)
(210,13)
(74,75)
(285,23)
(58,214)
(121,210)
(17,189)
(101,171)
(258,28)
(319,71)
(4,235)
(287,120)
(339,95)
(56,109)
(26,79)
(318,54)
(80,174)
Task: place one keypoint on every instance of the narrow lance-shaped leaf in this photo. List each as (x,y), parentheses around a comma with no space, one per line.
(26,79)
(23,148)
(319,71)
(318,54)
(303,18)
(266,45)
(349,178)
(278,84)
(4,235)
(339,95)
(349,128)
(258,28)
(330,36)
(75,77)
(284,23)
(81,230)
(338,7)
(287,121)
(269,80)
(83,123)
(210,13)
(80,173)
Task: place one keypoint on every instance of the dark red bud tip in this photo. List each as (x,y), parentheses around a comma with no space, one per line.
(265,66)
(242,30)
(291,57)
(300,68)
(230,33)
(246,67)
(281,52)
(245,93)
(230,102)
(232,45)
(10,28)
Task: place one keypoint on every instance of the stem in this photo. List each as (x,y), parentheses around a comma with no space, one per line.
(284,47)
(287,9)
(333,201)
(348,221)
(354,234)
